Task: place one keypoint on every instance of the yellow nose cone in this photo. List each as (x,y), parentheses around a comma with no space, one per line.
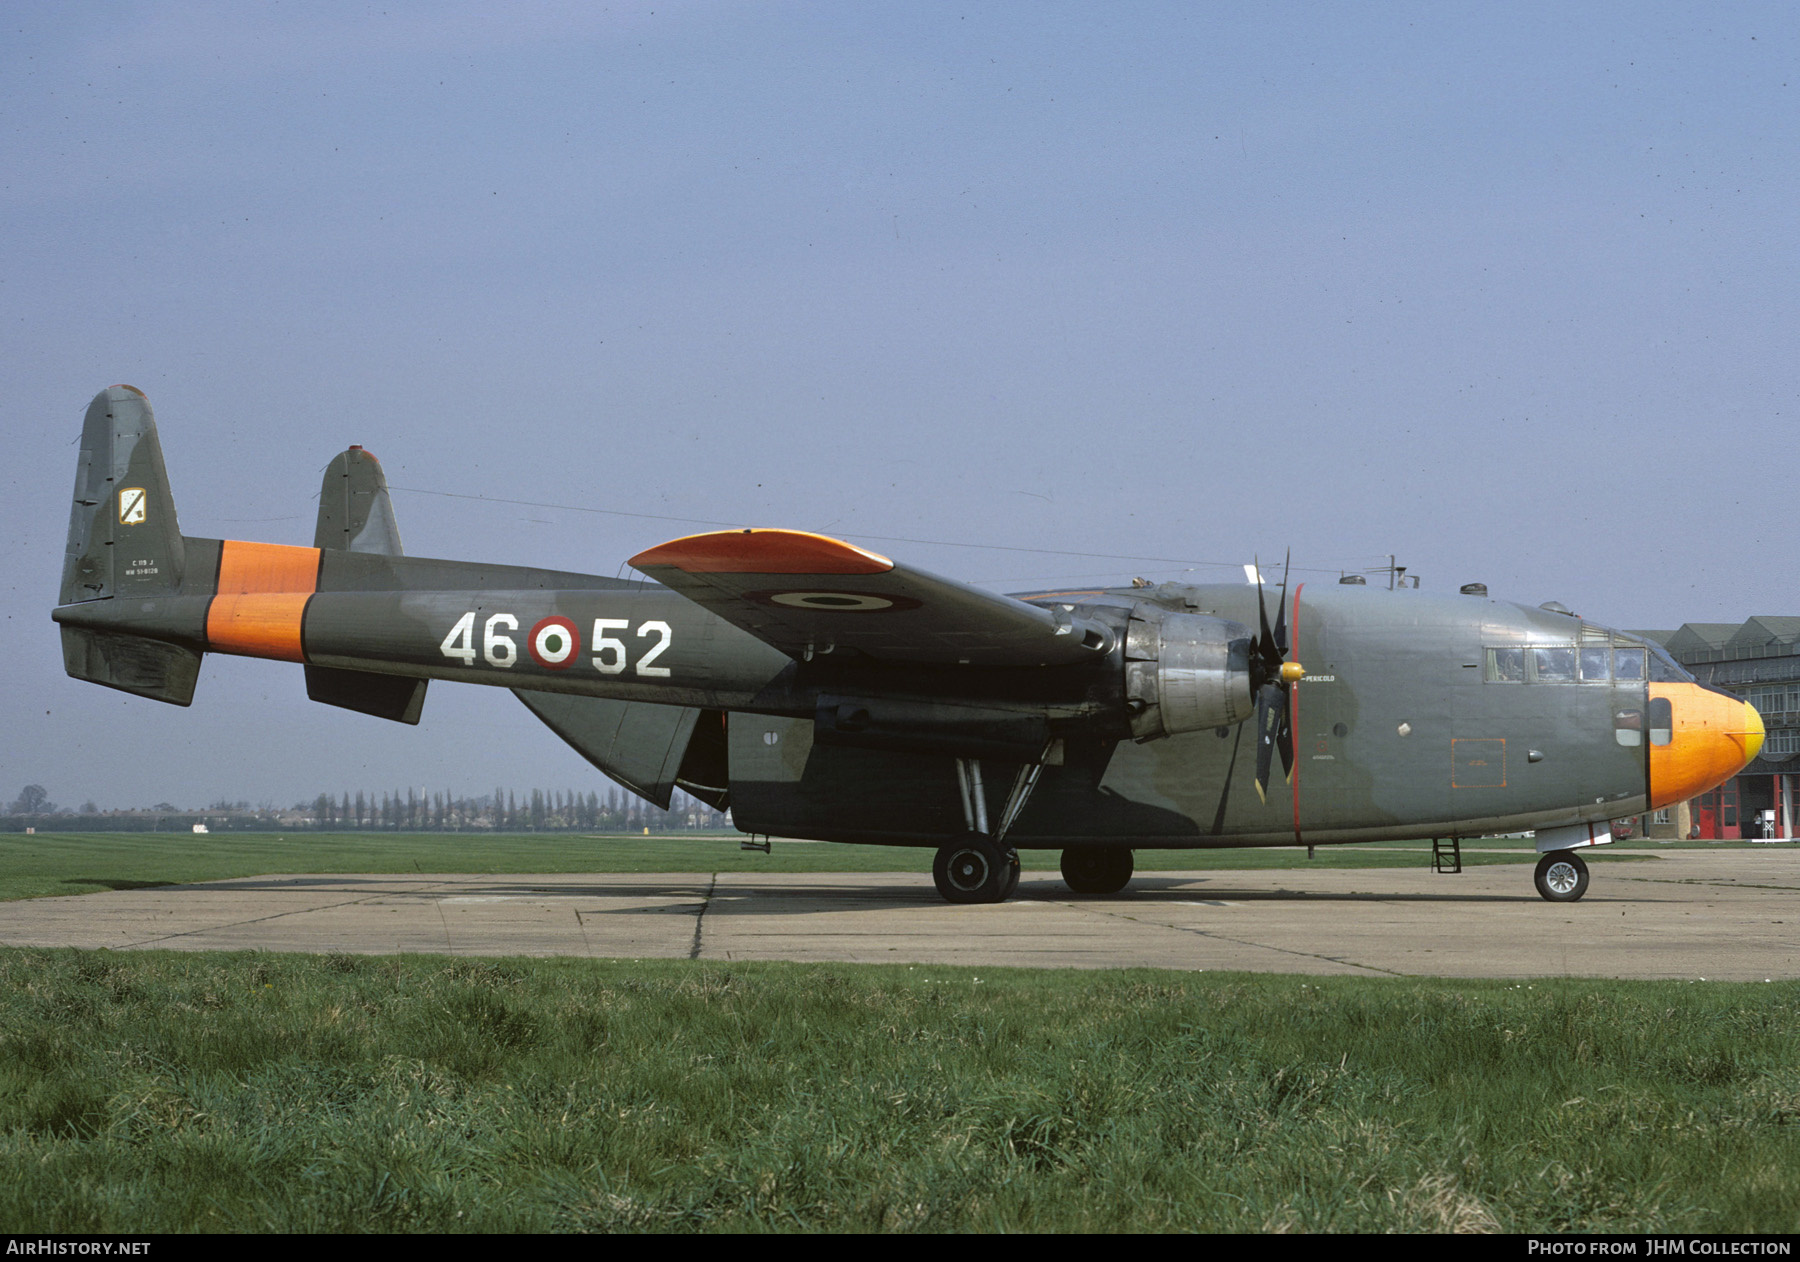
(1712,738)
(1292,672)
(1753,733)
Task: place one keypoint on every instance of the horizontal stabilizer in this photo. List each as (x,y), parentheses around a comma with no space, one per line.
(805,594)
(635,743)
(393,697)
(132,663)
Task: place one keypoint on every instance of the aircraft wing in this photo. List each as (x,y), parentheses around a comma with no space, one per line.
(807,594)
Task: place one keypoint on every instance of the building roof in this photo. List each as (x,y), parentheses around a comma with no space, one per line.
(1702,636)
(1764,631)
(1660,637)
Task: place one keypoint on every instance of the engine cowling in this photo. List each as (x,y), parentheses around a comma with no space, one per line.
(1185,672)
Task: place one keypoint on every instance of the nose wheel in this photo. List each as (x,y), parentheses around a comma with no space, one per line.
(1561,876)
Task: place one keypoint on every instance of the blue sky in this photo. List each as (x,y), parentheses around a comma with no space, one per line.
(1504,290)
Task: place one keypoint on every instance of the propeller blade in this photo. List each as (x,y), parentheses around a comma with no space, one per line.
(1271,715)
(1284,740)
(1266,652)
(1281,639)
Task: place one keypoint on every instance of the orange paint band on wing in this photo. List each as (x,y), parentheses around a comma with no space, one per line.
(763,552)
(262,593)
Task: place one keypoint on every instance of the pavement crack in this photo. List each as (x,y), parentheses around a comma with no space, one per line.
(700,916)
(279,915)
(1249,942)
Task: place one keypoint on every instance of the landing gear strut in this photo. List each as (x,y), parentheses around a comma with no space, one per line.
(1097,869)
(1561,876)
(978,867)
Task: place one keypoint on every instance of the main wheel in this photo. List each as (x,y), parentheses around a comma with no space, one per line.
(972,869)
(1097,869)
(1012,882)
(1561,876)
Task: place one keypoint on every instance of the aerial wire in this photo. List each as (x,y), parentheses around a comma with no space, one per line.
(934,543)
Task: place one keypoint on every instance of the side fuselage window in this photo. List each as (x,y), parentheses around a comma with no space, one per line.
(1553,665)
(1628,665)
(1662,721)
(1594,663)
(1506,665)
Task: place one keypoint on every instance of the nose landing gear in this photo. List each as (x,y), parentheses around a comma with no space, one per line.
(1561,876)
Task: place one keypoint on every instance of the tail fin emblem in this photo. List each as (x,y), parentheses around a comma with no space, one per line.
(132,506)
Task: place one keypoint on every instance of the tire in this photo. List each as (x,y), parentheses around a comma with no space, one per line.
(1561,876)
(972,869)
(1097,869)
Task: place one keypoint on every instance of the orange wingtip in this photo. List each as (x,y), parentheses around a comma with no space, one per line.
(762,552)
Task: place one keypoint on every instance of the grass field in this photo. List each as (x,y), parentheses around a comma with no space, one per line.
(82,863)
(172,1092)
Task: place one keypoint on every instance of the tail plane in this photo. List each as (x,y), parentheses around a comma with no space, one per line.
(140,603)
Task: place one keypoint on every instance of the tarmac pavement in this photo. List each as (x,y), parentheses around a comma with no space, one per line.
(1680,914)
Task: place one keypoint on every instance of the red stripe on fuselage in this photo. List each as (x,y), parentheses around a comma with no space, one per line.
(1294,705)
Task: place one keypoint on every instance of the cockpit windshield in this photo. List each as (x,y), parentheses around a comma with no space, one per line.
(1592,655)
(1663,668)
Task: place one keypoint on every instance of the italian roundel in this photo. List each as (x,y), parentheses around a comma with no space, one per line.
(554,643)
(835,602)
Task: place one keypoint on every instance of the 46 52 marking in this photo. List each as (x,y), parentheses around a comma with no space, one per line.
(555,644)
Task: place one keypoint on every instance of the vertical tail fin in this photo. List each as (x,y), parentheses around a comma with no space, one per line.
(123,536)
(124,541)
(355,515)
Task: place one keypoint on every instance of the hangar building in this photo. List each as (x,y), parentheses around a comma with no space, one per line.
(1758,660)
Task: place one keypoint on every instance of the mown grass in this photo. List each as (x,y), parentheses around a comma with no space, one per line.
(82,863)
(164,1092)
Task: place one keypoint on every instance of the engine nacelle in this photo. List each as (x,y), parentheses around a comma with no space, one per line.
(1185,672)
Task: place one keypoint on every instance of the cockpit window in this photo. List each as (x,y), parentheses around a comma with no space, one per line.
(1553,665)
(1506,665)
(1665,669)
(1586,662)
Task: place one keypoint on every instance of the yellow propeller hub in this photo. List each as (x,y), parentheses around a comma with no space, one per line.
(1292,672)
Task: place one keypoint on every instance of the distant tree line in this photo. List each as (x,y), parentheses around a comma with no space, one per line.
(404,810)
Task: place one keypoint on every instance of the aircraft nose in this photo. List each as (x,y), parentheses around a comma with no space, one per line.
(1699,739)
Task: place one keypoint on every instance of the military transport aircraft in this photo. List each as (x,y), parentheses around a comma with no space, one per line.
(820,690)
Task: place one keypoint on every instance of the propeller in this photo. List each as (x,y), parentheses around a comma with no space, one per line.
(1272,675)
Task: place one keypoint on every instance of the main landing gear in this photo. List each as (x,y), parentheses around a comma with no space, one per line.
(1097,869)
(979,867)
(976,869)
(1561,876)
